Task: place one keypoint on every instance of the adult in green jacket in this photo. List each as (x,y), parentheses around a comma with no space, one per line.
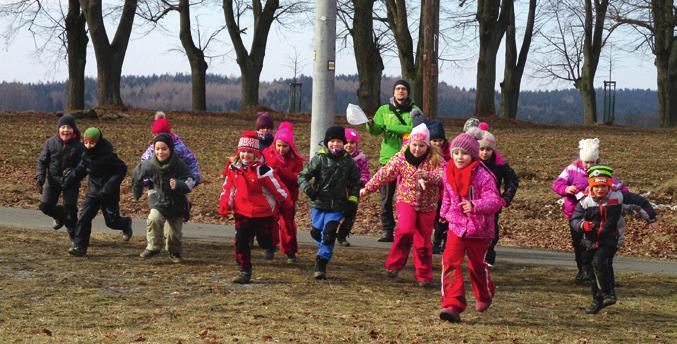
(394,122)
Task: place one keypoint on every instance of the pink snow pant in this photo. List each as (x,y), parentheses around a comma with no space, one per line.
(453,292)
(415,228)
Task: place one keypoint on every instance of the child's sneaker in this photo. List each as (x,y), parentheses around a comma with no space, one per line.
(392,273)
(77,251)
(270,254)
(291,258)
(482,306)
(148,253)
(175,258)
(343,242)
(127,232)
(425,285)
(595,307)
(244,277)
(57,224)
(450,314)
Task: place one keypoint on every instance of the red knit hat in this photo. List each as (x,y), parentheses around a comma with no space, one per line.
(249,142)
(161,125)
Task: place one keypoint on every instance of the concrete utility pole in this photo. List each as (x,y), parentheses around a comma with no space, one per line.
(324,74)
(431,28)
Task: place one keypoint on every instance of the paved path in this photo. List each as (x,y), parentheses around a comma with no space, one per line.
(34,219)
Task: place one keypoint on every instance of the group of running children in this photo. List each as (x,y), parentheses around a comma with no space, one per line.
(440,185)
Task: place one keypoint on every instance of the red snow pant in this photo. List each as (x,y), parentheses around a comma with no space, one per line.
(453,291)
(285,231)
(415,228)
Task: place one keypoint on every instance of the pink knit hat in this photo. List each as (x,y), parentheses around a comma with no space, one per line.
(353,135)
(420,133)
(285,133)
(468,143)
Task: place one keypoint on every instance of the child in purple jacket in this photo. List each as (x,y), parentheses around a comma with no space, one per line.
(351,146)
(570,184)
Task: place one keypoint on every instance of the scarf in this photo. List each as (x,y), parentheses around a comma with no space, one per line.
(164,167)
(414,161)
(461,179)
(405,106)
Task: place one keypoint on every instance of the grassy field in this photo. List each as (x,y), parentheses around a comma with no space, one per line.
(643,158)
(115,297)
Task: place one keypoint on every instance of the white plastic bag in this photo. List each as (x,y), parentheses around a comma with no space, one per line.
(355,115)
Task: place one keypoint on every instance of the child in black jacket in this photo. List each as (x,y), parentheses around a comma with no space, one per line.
(106,171)
(599,216)
(505,177)
(59,156)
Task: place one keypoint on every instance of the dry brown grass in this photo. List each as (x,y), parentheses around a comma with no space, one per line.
(537,152)
(115,297)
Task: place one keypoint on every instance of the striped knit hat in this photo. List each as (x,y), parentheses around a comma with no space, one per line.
(468,143)
(600,175)
(249,142)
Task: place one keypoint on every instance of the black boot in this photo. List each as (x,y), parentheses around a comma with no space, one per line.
(387,236)
(320,268)
(244,277)
(595,307)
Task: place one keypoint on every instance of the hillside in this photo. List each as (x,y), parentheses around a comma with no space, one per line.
(173,92)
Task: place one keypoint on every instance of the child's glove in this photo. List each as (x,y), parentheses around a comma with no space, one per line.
(223,210)
(312,193)
(38,186)
(589,226)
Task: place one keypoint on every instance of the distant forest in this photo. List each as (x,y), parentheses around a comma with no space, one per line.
(634,107)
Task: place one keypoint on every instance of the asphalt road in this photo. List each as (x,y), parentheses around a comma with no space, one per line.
(35,220)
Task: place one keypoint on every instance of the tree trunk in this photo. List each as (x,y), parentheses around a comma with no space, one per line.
(367,56)
(251,63)
(671,104)
(514,65)
(76,48)
(250,86)
(592,47)
(109,56)
(666,61)
(410,61)
(493,18)
(196,58)
(586,88)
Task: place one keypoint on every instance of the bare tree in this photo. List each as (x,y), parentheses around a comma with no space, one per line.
(653,22)
(109,55)
(45,21)
(195,50)
(514,64)
(572,49)
(357,17)
(411,62)
(251,62)
(493,17)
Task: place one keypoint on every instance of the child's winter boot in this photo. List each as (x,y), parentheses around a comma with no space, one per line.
(320,268)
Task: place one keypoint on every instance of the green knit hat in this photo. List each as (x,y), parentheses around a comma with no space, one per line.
(92,134)
(600,175)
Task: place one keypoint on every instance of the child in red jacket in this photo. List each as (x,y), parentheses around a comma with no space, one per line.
(253,193)
(286,162)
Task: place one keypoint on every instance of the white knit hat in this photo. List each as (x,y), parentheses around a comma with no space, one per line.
(420,133)
(589,149)
(488,140)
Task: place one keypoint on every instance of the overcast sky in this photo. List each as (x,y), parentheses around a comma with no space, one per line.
(155,53)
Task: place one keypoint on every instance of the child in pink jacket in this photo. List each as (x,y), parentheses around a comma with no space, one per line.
(419,168)
(360,159)
(469,203)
